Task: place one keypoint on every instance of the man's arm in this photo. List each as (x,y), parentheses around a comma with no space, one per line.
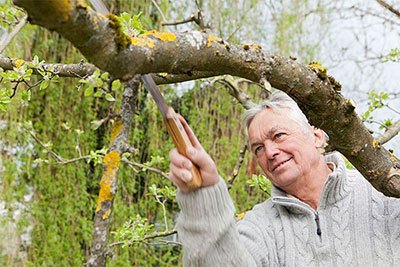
(206,224)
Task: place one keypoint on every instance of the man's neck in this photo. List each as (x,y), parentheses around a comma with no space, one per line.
(309,190)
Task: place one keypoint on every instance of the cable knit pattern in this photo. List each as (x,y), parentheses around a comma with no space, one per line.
(359,227)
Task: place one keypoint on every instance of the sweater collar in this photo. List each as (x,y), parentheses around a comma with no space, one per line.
(335,188)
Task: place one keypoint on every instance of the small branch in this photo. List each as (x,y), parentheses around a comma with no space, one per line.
(196,18)
(13,33)
(51,152)
(173,23)
(231,178)
(60,160)
(139,165)
(234,91)
(391,132)
(148,237)
(389,7)
(159,10)
(63,70)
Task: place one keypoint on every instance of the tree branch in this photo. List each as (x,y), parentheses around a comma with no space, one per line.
(317,96)
(12,34)
(109,180)
(147,237)
(389,7)
(391,132)
(231,178)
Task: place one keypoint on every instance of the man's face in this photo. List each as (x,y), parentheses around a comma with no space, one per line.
(284,151)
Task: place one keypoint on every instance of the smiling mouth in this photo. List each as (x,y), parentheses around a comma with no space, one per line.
(280,164)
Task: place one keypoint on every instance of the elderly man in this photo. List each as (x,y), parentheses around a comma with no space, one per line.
(319,213)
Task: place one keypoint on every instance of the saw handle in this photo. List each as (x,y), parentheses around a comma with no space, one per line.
(182,143)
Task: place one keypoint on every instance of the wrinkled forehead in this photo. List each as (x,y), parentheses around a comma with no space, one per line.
(271,120)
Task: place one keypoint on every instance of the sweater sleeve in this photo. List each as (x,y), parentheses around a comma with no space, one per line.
(207,228)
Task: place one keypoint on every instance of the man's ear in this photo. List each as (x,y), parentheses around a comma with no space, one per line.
(319,137)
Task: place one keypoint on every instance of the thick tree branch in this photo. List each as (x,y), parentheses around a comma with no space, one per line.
(102,42)
(108,185)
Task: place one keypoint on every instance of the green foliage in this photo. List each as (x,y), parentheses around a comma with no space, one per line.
(376,100)
(131,24)
(393,55)
(4,100)
(133,231)
(261,182)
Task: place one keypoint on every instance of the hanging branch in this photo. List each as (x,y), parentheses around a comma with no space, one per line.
(12,34)
(231,178)
(108,183)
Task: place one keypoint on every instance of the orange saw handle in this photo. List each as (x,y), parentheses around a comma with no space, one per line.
(182,143)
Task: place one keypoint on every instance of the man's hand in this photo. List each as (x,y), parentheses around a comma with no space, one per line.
(181,165)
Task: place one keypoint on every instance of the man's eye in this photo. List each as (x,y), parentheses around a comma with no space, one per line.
(258,149)
(279,135)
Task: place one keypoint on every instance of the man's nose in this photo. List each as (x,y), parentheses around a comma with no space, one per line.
(271,149)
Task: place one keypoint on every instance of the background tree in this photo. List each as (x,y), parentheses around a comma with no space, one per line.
(51,157)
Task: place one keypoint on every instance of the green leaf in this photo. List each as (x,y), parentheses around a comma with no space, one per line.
(44,84)
(98,93)
(105,76)
(110,98)
(89,90)
(95,124)
(116,84)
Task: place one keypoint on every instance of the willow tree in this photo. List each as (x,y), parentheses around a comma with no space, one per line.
(176,57)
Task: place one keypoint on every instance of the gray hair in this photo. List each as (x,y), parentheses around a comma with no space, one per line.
(278,101)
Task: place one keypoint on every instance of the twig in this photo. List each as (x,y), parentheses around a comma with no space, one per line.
(231,178)
(391,132)
(389,7)
(60,160)
(159,10)
(13,33)
(173,23)
(147,237)
(139,165)
(234,91)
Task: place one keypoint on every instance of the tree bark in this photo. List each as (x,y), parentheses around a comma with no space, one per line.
(100,40)
(109,180)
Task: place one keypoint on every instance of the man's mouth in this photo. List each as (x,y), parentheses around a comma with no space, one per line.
(280,165)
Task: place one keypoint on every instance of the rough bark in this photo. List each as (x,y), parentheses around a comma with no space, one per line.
(109,180)
(101,41)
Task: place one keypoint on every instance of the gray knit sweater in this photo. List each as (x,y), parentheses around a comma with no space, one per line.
(354,225)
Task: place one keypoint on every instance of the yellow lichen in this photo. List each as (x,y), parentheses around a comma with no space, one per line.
(19,63)
(318,69)
(212,38)
(111,164)
(118,126)
(376,144)
(106,214)
(392,156)
(163,36)
(163,74)
(142,41)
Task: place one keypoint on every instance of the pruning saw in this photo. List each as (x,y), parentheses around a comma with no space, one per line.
(174,126)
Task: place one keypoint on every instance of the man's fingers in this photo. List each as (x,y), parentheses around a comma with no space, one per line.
(179,160)
(192,137)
